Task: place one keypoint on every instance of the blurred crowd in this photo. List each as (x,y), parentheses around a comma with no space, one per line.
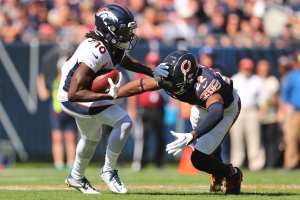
(267,133)
(226,23)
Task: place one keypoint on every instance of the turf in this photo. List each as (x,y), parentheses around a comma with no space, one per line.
(32,181)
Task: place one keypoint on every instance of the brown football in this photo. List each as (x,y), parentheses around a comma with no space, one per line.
(100,83)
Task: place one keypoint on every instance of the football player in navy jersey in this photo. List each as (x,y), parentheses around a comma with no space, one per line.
(104,47)
(216,106)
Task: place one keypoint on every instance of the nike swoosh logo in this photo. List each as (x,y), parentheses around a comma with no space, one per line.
(204,86)
(95,56)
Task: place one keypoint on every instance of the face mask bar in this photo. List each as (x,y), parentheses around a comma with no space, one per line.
(126,39)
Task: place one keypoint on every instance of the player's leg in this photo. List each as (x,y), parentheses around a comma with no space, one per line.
(90,134)
(116,117)
(203,159)
(216,181)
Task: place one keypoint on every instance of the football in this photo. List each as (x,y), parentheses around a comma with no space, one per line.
(100,83)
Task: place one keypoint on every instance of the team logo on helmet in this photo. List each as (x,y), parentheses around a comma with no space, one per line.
(185,67)
(104,13)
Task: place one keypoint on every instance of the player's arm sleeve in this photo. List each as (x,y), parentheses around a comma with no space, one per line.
(132,64)
(214,115)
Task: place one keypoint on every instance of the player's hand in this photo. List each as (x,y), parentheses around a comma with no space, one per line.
(114,88)
(161,70)
(182,140)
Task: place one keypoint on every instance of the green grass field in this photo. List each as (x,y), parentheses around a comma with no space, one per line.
(40,181)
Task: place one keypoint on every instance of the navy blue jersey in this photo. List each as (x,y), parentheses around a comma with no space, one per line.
(208,82)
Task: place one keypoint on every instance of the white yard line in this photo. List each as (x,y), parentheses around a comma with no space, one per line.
(190,188)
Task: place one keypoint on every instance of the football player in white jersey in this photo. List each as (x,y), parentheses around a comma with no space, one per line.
(104,47)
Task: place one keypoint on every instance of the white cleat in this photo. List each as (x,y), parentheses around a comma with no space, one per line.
(82,185)
(113,181)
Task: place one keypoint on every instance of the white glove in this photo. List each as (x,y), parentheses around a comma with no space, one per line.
(161,70)
(114,88)
(182,140)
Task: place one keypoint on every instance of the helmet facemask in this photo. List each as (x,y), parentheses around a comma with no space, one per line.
(125,37)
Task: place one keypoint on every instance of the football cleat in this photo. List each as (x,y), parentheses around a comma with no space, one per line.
(82,185)
(233,182)
(216,184)
(113,181)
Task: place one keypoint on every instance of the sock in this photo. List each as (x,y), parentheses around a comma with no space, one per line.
(210,164)
(84,152)
(116,141)
(110,160)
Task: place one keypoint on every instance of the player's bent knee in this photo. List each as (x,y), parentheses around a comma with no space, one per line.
(200,160)
(125,123)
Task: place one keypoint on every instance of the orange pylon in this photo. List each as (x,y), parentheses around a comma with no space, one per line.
(185,165)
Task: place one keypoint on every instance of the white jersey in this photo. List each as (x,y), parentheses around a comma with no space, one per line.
(96,56)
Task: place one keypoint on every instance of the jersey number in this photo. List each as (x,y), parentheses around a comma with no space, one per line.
(100,46)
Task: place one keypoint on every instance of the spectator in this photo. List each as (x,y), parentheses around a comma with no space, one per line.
(63,126)
(226,23)
(233,6)
(217,24)
(206,57)
(149,27)
(246,127)
(150,108)
(291,101)
(232,26)
(284,66)
(137,7)
(268,104)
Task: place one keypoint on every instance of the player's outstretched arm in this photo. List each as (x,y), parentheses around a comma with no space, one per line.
(132,64)
(137,87)
(80,86)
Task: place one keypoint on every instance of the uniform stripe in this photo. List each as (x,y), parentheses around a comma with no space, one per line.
(84,110)
(69,77)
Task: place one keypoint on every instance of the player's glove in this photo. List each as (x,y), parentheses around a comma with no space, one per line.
(161,70)
(114,88)
(182,140)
